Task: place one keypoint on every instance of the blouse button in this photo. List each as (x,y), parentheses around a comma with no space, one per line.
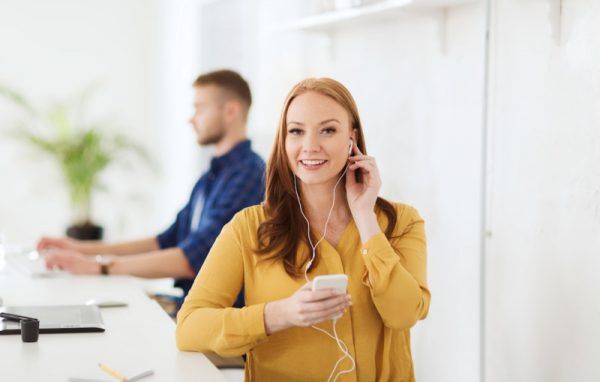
(364,251)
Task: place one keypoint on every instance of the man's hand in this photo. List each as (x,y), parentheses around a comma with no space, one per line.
(72,261)
(47,243)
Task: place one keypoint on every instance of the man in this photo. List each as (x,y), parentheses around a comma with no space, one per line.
(234,181)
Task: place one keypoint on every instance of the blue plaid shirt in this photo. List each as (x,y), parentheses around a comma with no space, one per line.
(233,182)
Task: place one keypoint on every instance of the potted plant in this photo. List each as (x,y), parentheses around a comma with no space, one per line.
(82,150)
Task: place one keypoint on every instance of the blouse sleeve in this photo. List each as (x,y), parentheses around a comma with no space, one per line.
(206,321)
(396,273)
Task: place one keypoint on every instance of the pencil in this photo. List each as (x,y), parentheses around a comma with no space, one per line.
(120,377)
(141,375)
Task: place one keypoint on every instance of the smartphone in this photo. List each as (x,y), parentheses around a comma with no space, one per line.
(337,281)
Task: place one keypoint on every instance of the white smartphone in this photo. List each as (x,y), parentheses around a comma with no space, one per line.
(337,281)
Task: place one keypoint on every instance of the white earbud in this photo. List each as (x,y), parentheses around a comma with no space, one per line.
(350,146)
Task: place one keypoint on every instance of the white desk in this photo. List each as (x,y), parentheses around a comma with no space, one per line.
(137,338)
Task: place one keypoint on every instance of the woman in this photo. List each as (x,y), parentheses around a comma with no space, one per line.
(266,249)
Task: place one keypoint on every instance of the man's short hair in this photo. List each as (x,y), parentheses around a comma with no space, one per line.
(229,81)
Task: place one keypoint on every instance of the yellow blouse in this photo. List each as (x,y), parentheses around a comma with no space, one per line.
(387,281)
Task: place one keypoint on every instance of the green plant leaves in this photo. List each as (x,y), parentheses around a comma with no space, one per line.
(83,152)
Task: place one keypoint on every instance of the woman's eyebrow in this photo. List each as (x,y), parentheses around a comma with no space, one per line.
(320,123)
(330,120)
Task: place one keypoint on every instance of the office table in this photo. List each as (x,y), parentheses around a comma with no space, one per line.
(137,338)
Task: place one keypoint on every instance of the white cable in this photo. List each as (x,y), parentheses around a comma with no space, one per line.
(314,247)
(335,337)
(344,349)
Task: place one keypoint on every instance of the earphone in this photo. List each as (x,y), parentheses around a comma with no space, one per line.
(339,342)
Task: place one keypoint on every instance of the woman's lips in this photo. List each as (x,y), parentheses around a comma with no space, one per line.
(312,165)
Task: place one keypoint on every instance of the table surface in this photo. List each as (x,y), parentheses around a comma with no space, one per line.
(138,337)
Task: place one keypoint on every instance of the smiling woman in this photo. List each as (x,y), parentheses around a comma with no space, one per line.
(321,108)
(317,137)
(380,246)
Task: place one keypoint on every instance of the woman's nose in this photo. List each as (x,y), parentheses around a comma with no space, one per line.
(311,143)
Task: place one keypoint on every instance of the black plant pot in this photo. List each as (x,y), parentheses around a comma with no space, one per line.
(86,231)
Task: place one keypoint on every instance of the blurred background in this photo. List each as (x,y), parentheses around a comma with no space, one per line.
(484,115)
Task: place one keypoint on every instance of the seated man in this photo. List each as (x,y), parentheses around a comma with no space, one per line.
(234,181)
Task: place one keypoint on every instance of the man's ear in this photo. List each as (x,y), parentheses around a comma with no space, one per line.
(233,108)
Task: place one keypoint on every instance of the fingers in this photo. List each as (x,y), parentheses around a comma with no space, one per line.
(364,161)
(60,258)
(311,307)
(43,243)
(53,260)
(49,242)
(361,157)
(321,311)
(315,318)
(326,305)
(366,166)
(318,295)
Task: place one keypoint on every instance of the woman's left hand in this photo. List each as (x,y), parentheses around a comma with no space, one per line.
(362,196)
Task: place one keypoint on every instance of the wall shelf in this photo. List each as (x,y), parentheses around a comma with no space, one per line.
(388,9)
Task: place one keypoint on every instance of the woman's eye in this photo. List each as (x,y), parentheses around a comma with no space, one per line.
(329,130)
(294,131)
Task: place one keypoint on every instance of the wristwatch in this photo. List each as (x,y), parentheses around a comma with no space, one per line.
(105,261)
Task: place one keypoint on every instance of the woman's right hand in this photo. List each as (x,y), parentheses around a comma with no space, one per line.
(305,308)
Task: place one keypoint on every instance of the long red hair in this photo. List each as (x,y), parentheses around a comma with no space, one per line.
(281,233)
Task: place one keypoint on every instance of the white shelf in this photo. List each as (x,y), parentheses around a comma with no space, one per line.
(377,11)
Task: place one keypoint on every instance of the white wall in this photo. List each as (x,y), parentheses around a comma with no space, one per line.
(50,51)
(178,55)
(543,262)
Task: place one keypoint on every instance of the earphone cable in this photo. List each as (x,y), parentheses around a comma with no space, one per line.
(343,347)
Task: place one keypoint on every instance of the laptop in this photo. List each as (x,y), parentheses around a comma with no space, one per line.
(56,319)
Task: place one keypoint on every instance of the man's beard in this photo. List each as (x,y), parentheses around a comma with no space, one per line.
(212,139)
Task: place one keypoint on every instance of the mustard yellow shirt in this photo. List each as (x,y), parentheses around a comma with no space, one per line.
(387,281)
